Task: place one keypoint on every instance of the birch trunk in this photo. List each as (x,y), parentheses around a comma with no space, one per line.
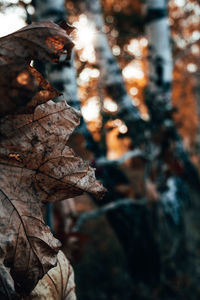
(158,96)
(160,61)
(112,79)
(158,100)
(131,224)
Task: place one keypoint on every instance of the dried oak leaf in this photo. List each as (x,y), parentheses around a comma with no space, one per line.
(36,165)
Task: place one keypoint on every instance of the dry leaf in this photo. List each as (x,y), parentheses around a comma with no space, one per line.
(43,41)
(36,143)
(36,164)
(20,83)
(7,290)
(29,249)
(22,89)
(57,284)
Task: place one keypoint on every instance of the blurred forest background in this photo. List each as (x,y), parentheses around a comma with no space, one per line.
(135,76)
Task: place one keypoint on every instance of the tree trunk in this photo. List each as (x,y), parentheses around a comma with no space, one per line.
(131,223)
(158,93)
(111,76)
(160,60)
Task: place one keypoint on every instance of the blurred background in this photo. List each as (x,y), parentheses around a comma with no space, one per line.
(134,75)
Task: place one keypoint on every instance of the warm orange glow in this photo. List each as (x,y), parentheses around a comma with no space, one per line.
(23,78)
(116,146)
(56,44)
(15,156)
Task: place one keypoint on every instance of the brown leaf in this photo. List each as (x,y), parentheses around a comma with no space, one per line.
(67,27)
(57,284)
(29,249)
(37,142)
(20,83)
(22,89)
(43,41)
(7,290)
(36,165)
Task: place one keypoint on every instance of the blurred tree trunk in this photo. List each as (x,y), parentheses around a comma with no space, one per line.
(158,92)
(160,60)
(173,157)
(133,224)
(137,226)
(111,76)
